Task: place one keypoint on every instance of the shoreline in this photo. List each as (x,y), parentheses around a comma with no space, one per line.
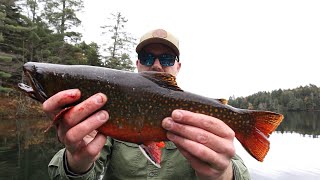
(16,105)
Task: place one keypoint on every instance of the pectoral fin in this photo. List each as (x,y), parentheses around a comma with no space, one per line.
(58,117)
(152,151)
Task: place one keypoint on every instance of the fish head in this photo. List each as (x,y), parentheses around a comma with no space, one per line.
(36,80)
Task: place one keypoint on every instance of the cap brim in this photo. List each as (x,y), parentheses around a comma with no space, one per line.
(157,40)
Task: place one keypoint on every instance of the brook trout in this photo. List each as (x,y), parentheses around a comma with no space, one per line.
(138,102)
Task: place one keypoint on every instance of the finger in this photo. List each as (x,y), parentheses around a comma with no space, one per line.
(214,142)
(88,138)
(202,121)
(86,155)
(204,170)
(95,146)
(91,151)
(200,151)
(81,130)
(60,100)
(201,167)
(84,109)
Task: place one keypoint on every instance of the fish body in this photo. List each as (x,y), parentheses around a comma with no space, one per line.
(138,102)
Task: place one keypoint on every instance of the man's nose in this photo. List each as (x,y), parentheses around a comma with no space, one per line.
(156,65)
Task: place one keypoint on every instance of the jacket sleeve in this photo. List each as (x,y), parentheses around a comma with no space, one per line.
(240,171)
(57,166)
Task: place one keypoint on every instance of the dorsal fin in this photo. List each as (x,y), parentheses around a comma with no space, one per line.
(223,101)
(165,80)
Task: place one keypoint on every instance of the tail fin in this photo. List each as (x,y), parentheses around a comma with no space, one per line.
(256,142)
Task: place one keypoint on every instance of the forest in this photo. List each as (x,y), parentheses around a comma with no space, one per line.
(44,31)
(303,98)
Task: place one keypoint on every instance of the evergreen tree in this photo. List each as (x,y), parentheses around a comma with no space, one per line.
(30,8)
(4,59)
(33,7)
(13,32)
(15,29)
(61,15)
(119,44)
(91,52)
(2,17)
(305,98)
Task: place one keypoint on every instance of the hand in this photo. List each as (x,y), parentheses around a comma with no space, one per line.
(77,128)
(205,141)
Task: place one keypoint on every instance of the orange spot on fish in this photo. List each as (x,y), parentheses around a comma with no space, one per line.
(161,144)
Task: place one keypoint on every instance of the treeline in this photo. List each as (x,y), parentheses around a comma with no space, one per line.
(43,31)
(305,98)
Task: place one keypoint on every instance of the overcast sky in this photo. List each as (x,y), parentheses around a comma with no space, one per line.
(227,47)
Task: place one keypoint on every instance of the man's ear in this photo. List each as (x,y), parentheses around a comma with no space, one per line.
(137,62)
(179,66)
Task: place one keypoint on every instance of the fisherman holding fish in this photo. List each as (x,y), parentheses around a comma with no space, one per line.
(200,146)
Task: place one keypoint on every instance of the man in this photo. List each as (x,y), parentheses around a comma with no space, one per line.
(200,146)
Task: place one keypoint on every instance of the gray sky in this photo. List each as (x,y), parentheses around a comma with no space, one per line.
(227,47)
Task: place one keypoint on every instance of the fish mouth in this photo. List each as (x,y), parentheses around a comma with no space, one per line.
(35,91)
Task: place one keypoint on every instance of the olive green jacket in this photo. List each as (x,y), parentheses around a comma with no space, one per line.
(123,160)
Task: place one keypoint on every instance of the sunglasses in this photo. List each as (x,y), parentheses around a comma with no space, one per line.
(148,59)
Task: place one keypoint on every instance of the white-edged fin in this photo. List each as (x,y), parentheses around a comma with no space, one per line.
(147,154)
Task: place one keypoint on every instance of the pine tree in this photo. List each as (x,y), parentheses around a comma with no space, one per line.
(91,52)
(119,44)
(12,29)
(4,59)
(15,28)
(61,15)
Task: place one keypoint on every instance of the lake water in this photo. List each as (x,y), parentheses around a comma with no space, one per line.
(294,150)
(25,150)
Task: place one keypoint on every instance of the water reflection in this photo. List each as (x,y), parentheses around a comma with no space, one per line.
(291,156)
(305,123)
(25,150)
(294,150)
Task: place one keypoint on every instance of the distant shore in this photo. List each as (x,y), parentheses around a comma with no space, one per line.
(16,105)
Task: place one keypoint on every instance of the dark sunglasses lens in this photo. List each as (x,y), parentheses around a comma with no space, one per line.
(146,59)
(167,59)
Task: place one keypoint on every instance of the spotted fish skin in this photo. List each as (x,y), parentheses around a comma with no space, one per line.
(138,102)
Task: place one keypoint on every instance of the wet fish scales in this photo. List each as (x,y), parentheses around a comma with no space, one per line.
(138,102)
